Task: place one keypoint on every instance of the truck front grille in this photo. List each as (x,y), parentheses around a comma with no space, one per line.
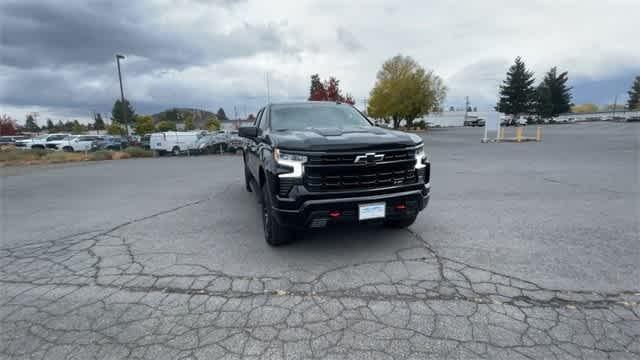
(331,172)
(349,158)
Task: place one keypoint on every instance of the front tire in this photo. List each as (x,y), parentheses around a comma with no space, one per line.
(400,223)
(274,233)
(247,179)
(175,151)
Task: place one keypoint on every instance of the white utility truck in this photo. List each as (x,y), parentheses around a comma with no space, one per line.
(175,142)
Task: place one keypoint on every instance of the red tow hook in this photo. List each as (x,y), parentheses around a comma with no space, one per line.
(401,206)
(335,214)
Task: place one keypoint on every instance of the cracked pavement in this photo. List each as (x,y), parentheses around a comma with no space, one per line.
(193,279)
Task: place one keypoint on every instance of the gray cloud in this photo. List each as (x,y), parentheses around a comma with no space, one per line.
(46,34)
(348,40)
(58,54)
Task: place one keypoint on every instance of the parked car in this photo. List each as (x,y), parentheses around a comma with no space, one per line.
(110,142)
(474,122)
(234,142)
(315,164)
(47,141)
(509,121)
(175,142)
(8,140)
(212,143)
(78,143)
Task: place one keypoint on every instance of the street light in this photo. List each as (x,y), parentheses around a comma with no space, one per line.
(124,109)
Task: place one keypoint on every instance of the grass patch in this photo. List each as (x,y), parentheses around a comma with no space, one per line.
(15,156)
(119,155)
(100,155)
(56,157)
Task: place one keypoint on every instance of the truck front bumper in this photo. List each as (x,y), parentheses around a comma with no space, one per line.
(318,213)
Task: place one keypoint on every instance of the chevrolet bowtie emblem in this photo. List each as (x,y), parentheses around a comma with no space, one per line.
(369,158)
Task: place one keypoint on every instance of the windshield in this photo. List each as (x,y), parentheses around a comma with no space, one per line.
(309,116)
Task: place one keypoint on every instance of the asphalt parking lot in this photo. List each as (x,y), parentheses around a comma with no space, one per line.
(525,251)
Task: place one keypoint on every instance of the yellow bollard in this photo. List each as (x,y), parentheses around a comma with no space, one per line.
(518,134)
(539,134)
(501,137)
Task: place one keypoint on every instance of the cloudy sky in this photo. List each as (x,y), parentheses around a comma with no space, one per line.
(57,57)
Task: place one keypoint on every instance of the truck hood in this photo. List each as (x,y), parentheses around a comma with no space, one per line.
(372,138)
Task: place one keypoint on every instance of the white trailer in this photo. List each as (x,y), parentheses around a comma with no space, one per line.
(175,142)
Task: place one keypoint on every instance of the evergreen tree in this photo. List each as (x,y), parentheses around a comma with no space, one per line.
(77,128)
(517,95)
(221,115)
(544,103)
(30,124)
(68,126)
(50,126)
(553,95)
(98,122)
(122,113)
(634,95)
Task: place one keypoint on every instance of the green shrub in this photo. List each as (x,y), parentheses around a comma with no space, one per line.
(420,124)
(136,152)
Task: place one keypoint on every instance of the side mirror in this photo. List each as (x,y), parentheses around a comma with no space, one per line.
(250,132)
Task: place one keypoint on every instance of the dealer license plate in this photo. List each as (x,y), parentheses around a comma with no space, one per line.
(371,211)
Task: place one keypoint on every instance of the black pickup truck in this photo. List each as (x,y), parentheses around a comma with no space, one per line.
(314,164)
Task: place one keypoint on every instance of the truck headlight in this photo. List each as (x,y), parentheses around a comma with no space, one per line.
(421,157)
(290,160)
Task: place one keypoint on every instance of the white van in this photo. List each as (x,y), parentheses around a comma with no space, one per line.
(175,142)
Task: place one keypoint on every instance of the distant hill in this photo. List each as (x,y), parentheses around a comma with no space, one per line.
(200,117)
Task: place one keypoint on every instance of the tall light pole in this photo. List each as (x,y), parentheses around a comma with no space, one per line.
(124,107)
